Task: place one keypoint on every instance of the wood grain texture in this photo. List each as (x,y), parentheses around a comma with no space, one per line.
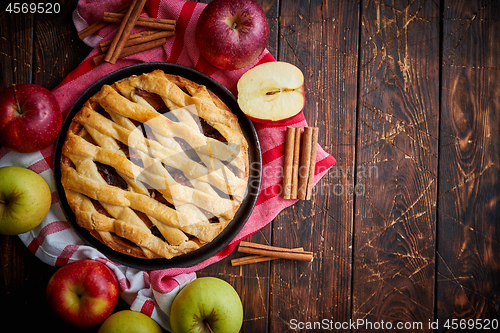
(396,159)
(468,262)
(16,48)
(320,38)
(56,47)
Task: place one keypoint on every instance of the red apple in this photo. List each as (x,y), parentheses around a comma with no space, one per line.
(83,293)
(272,92)
(231,34)
(30,118)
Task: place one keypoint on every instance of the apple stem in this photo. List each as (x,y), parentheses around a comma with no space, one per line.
(209,328)
(19,110)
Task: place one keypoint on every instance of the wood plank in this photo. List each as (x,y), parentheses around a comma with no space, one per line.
(57,50)
(468,264)
(16,48)
(252,281)
(393,279)
(321,38)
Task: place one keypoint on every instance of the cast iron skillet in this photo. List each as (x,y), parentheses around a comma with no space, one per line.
(254,156)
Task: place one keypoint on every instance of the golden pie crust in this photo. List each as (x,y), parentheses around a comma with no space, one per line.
(154,165)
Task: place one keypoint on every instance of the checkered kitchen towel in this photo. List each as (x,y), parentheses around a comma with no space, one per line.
(54,242)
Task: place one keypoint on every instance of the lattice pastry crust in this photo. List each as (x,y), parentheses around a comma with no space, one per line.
(154,165)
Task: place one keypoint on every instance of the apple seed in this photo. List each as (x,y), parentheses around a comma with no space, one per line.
(274,92)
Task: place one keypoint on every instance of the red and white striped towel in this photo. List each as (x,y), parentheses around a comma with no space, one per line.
(54,242)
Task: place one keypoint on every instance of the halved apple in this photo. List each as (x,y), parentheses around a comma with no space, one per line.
(271,92)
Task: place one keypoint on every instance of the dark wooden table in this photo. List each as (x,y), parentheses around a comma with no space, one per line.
(405,228)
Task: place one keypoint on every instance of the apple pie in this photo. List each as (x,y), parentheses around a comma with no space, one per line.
(154,165)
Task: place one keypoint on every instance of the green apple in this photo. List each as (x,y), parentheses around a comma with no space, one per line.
(207,304)
(25,200)
(128,321)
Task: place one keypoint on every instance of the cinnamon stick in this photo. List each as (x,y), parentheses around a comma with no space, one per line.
(314,146)
(288,163)
(126,25)
(305,162)
(295,168)
(149,22)
(139,38)
(132,50)
(96,26)
(275,252)
(254,259)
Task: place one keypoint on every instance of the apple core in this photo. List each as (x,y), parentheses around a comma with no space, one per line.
(272,92)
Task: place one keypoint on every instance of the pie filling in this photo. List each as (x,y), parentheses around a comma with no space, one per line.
(154,165)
